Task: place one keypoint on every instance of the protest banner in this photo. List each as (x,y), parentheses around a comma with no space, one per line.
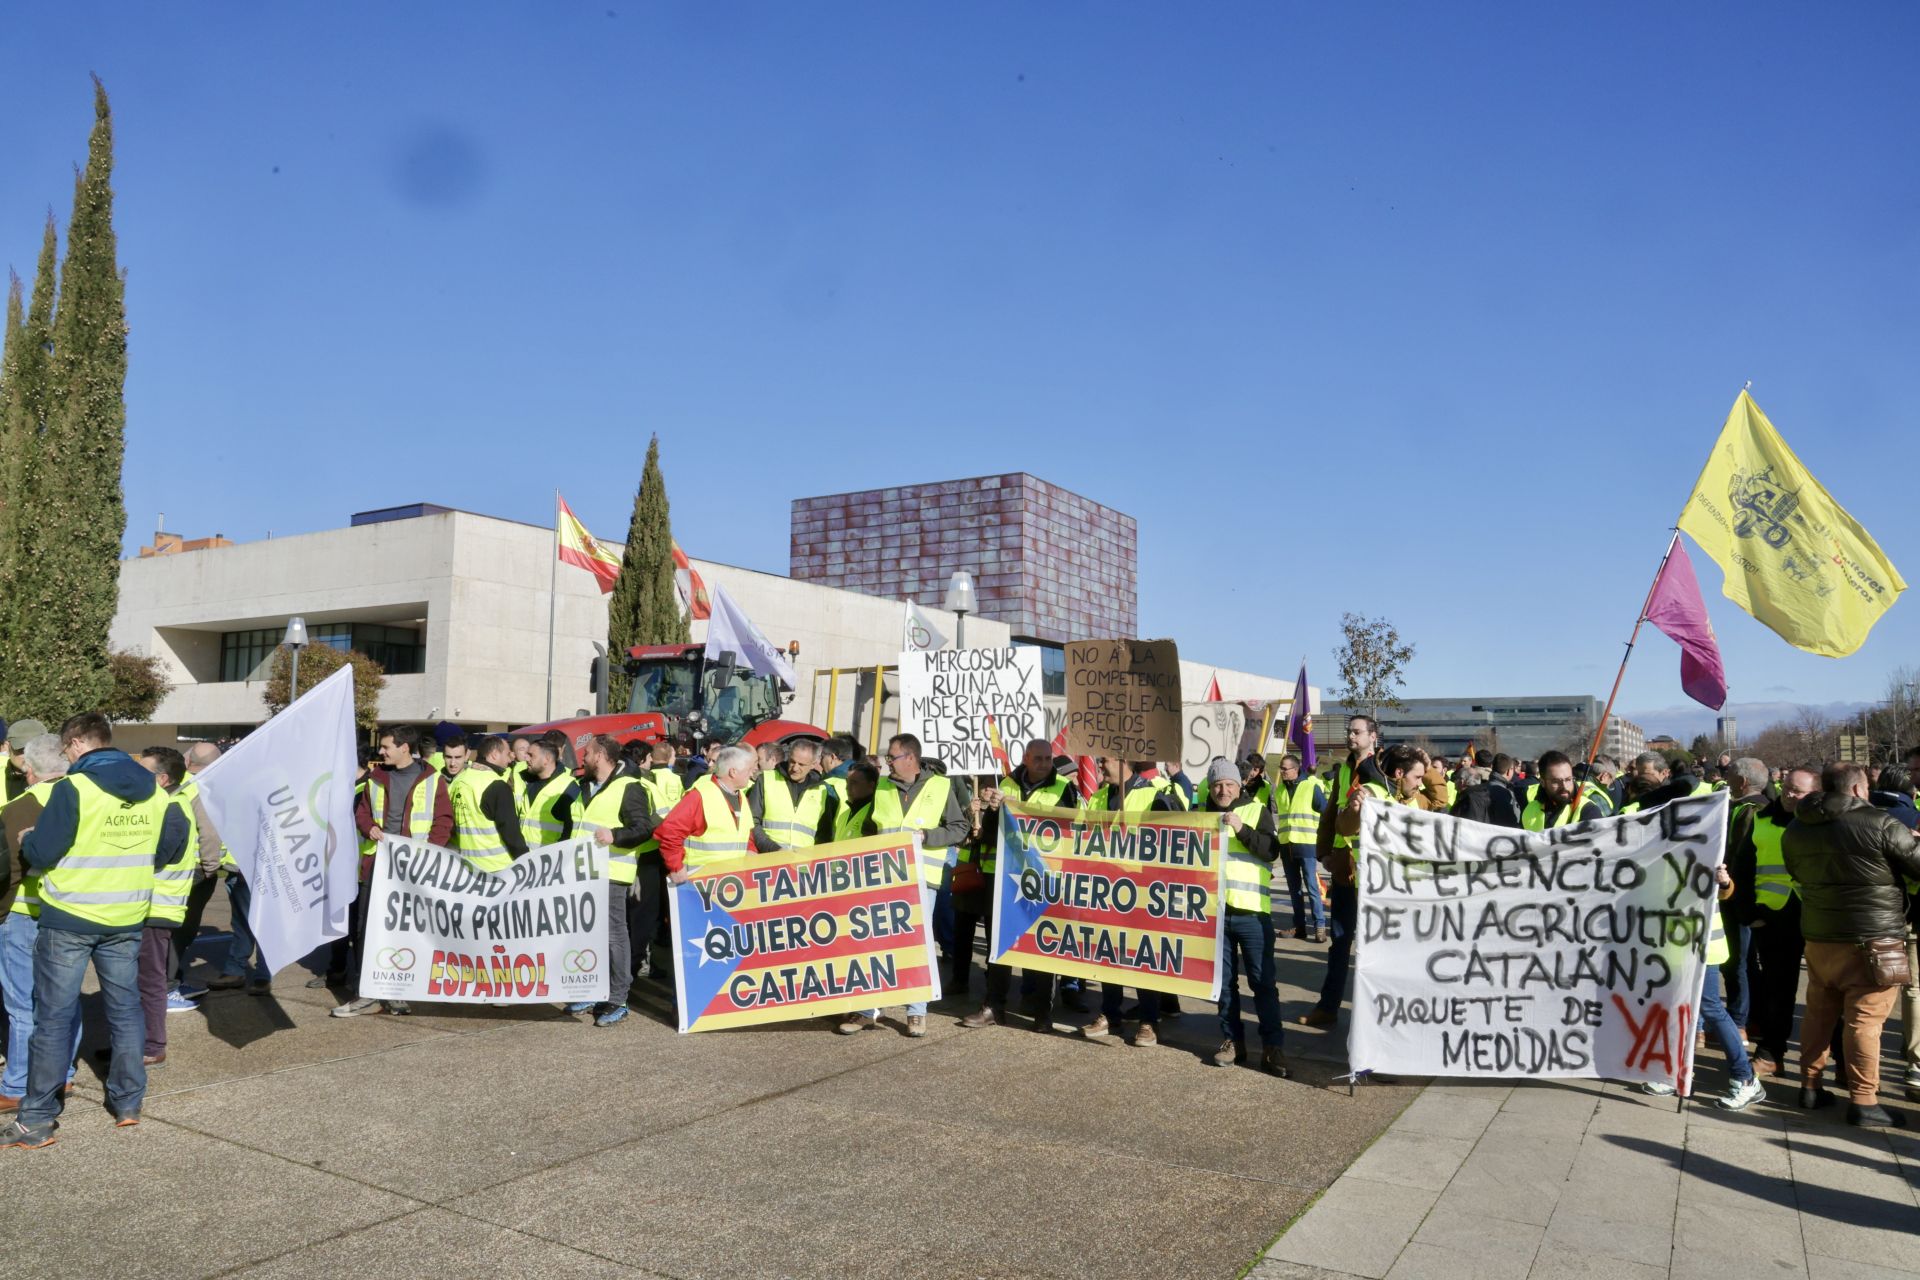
(1575,951)
(1123,699)
(1134,900)
(835,928)
(282,802)
(534,933)
(946,696)
(1212,729)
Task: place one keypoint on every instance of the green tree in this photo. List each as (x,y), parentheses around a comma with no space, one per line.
(645,608)
(1371,664)
(26,389)
(70,577)
(140,685)
(317,662)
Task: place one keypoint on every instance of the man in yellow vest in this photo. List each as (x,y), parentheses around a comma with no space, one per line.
(171,885)
(1333,843)
(42,764)
(1297,805)
(206,880)
(1036,782)
(1553,803)
(917,799)
(789,802)
(105,829)
(486,815)
(404,799)
(1773,925)
(1137,786)
(1247,942)
(619,812)
(552,797)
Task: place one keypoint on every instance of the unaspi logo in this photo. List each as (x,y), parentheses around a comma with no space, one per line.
(393,964)
(579,969)
(301,839)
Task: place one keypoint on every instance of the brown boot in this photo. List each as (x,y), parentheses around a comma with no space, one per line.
(1318,1017)
(855,1024)
(985,1016)
(916,1025)
(8,1105)
(1229,1052)
(1146,1037)
(1319,935)
(1095,1029)
(1273,1063)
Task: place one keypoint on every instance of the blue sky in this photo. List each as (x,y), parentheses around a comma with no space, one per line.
(1425,311)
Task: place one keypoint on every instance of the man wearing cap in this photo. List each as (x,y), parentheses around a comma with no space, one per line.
(1247,943)
(18,735)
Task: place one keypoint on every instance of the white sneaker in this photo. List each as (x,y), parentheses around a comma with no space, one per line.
(1656,1088)
(1742,1095)
(354,1008)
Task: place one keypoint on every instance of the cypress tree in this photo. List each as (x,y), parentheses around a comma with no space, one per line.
(69,580)
(23,420)
(644,608)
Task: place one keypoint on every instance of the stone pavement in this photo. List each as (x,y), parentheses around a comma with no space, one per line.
(1585,1179)
(474,1140)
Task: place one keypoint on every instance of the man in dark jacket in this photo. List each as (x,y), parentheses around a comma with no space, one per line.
(1893,791)
(1851,863)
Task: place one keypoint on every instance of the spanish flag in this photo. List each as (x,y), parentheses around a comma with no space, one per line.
(999,748)
(578,548)
(1792,556)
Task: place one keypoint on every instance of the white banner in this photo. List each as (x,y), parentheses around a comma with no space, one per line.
(531,934)
(946,696)
(1212,729)
(282,802)
(921,634)
(730,630)
(1577,951)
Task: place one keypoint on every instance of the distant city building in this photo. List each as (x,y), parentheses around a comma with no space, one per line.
(1052,565)
(1521,727)
(1727,729)
(1625,740)
(169,544)
(1661,742)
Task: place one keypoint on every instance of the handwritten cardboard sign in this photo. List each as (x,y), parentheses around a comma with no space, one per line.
(1123,699)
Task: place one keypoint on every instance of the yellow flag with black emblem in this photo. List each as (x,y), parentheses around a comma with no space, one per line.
(1792,556)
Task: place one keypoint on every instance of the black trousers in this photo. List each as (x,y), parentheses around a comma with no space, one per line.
(188,928)
(646,909)
(1777,948)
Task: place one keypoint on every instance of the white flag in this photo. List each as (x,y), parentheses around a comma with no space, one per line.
(282,802)
(921,634)
(729,630)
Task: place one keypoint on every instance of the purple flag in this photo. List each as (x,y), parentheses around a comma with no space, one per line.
(1677,609)
(1300,721)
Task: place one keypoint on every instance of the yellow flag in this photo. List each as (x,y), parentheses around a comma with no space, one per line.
(1792,555)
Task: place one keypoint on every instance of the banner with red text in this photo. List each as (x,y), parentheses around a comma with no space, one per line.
(1575,951)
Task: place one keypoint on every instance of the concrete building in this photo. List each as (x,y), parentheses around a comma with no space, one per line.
(1052,565)
(1521,727)
(1625,740)
(455,605)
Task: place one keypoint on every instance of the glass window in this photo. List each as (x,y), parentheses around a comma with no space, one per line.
(1053,671)
(244,655)
(398,650)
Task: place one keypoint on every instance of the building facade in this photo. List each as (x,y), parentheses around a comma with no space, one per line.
(1050,564)
(1522,727)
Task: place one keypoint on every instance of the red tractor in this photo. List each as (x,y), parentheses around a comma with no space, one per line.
(677,690)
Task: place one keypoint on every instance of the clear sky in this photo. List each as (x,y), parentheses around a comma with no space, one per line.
(1429,311)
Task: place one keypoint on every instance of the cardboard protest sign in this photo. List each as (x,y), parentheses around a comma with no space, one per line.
(1576,951)
(946,696)
(1133,900)
(531,934)
(1123,699)
(1212,729)
(835,928)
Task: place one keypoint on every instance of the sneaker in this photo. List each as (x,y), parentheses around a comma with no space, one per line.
(398,1008)
(153,1059)
(580,1006)
(1318,1017)
(985,1016)
(1742,1095)
(177,1003)
(1657,1088)
(1319,935)
(607,1014)
(260,987)
(1095,1029)
(18,1135)
(354,1008)
(191,990)
(916,1025)
(854,1025)
(1274,1063)
(1146,1037)
(1874,1117)
(1230,1052)
(325,980)
(225,982)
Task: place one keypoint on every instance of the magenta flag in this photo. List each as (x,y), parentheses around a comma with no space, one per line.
(1677,609)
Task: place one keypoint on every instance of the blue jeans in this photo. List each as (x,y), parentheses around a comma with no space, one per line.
(1303,886)
(17,933)
(1345,910)
(241,951)
(1248,949)
(1738,992)
(1717,1023)
(60,959)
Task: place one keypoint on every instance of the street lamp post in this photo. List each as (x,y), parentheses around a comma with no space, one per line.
(295,640)
(960,602)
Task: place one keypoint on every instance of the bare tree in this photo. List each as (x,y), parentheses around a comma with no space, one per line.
(1371,663)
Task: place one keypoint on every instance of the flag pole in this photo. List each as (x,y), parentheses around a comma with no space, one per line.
(553,599)
(1600,732)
